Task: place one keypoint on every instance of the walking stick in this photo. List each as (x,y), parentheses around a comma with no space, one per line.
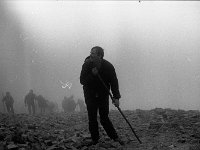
(118,108)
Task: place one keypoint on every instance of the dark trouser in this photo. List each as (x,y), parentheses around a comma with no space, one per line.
(9,108)
(42,109)
(93,105)
(31,106)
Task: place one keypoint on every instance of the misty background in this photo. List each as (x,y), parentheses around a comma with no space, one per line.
(154,47)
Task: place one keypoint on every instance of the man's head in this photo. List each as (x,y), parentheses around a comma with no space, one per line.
(97,51)
(7,93)
(31,91)
(96,56)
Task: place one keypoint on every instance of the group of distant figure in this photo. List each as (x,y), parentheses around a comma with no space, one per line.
(69,105)
(32,101)
(44,105)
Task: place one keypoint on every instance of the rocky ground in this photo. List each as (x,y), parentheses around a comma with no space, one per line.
(158,129)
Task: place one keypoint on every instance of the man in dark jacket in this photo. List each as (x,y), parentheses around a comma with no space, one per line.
(8,100)
(96,95)
(30,100)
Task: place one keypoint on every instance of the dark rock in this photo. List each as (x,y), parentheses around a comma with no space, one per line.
(181,141)
(155,125)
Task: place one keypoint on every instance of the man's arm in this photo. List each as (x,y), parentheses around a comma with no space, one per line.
(114,84)
(86,77)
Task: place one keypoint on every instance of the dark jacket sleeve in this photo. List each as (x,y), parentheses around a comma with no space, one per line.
(86,77)
(114,84)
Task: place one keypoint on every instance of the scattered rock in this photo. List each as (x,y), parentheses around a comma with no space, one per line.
(62,131)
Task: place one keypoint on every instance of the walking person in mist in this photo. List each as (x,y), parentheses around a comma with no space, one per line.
(68,104)
(81,105)
(8,101)
(96,95)
(30,101)
(42,103)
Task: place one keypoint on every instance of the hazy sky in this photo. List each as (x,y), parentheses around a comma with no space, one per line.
(153,45)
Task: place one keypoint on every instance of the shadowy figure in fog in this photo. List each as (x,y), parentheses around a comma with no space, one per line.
(56,109)
(81,105)
(52,106)
(68,104)
(8,101)
(30,101)
(42,103)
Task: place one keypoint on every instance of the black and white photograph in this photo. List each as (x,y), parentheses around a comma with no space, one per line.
(99,75)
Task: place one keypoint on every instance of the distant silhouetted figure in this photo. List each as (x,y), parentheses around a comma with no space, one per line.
(68,104)
(30,101)
(51,106)
(8,101)
(42,103)
(56,109)
(81,105)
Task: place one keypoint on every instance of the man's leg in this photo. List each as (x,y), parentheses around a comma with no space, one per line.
(29,109)
(92,116)
(104,119)
(8,108)
(43,110)
(33,109)
(11,108)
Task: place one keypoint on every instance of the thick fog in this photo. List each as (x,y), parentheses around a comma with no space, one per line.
(154,47)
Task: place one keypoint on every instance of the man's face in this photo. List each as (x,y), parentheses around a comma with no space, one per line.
(95,58)
(93,54)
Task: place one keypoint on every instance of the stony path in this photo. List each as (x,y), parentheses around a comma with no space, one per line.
(158,129)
